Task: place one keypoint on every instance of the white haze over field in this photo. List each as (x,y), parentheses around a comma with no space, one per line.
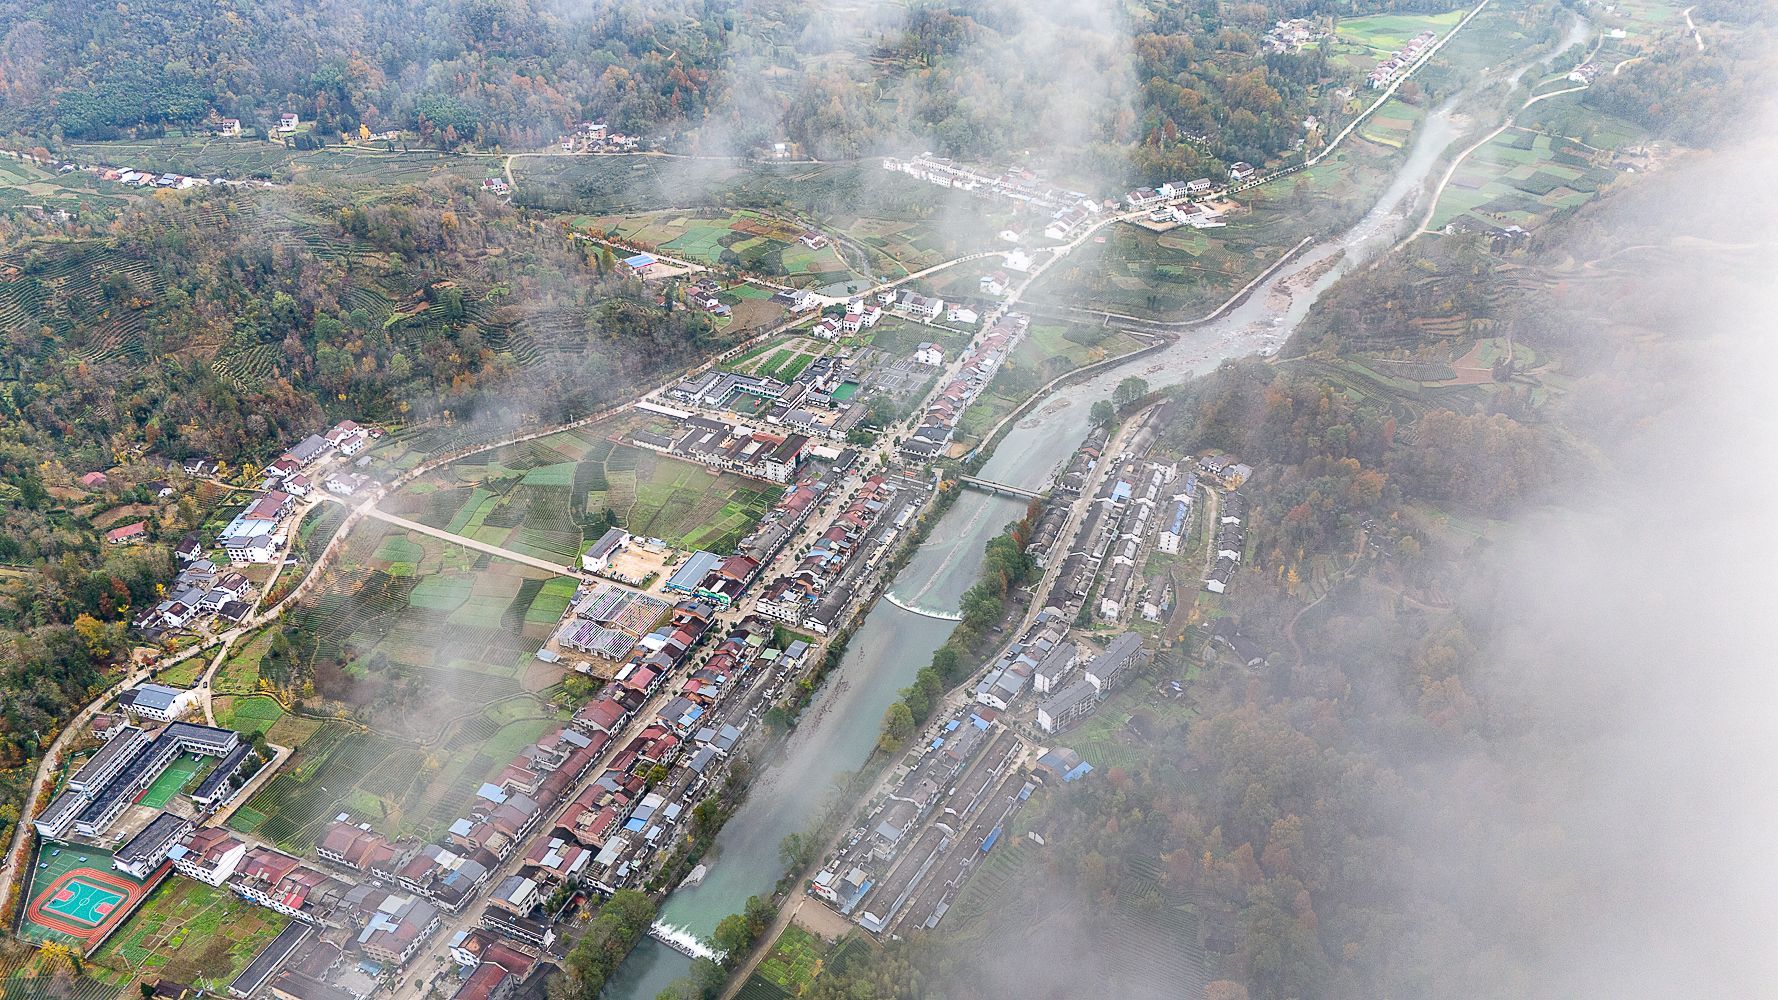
(1613,835)
(1060,70)
(1640,641)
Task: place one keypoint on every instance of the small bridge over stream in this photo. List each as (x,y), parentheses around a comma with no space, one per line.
(1000,489)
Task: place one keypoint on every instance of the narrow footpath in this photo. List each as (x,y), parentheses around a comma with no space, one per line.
(478,545)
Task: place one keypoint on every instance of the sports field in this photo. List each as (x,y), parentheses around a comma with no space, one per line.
(171,781)
(82,901)
(76,901)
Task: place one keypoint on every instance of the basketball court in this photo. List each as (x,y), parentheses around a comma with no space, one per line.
(83,902)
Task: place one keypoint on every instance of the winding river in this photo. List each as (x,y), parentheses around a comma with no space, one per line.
(892,644)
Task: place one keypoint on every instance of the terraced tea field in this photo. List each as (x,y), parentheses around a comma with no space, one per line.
(241,158)
(83,292)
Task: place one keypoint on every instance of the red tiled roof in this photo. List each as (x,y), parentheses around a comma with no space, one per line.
(127,531)
(481,983)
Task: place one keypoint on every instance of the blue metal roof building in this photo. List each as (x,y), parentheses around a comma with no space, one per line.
(686,578)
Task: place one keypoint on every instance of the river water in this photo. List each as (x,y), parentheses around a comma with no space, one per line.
(893,644)
(835,736)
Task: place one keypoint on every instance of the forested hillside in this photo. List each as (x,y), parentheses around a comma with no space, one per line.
(219,324)
(489,71)
(226,324)
(1184,89)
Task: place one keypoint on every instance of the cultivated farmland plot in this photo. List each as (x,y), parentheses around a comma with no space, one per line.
(549,497)
(1186,273)
(1522,178)
(1361,42)
(189,932)
(748,240)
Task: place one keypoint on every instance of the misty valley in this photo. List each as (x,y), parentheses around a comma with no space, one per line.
(832,499)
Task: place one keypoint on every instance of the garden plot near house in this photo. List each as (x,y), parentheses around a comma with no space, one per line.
(189,932)
(793,963)
(246,665)
(747,240)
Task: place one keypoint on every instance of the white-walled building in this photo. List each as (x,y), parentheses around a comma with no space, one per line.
(159,702)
